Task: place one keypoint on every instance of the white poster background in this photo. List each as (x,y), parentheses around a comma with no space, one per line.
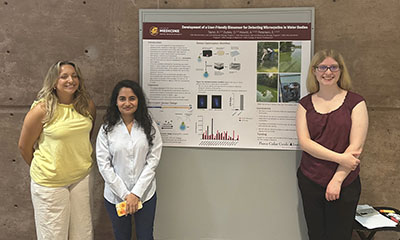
(203,93)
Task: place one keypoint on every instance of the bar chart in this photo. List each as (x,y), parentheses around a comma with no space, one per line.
(212,136)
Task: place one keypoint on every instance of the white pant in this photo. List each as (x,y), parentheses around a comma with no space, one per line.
(63,213)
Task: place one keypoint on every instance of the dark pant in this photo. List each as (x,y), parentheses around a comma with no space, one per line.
(144,221)
(328,220)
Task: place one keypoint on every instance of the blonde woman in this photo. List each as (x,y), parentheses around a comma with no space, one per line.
(332,124)
(55,143)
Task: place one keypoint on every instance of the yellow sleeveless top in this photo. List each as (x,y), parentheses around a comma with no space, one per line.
(63,153)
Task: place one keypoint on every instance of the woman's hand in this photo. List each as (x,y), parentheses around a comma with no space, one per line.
(333,190)
(131,203)
(349,160)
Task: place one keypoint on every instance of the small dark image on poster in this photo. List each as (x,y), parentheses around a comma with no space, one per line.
(289,87)
(216,101)
(202,101)
(207,53)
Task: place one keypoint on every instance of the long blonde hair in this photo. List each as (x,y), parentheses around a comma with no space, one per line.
(48,93)
(344,80)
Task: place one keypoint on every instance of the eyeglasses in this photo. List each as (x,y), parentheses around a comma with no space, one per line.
(324,68)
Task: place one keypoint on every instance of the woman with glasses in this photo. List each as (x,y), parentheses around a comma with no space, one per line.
(55,143)
(332,124)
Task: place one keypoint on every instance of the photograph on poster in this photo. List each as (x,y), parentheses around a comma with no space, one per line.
(289,87)
(267,84)
(267,56)
(290,57)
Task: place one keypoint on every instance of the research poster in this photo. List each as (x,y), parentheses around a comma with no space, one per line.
(225,85)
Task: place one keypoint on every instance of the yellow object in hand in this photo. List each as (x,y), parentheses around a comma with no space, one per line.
(121,208)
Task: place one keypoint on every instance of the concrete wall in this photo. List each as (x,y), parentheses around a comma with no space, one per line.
(102,37)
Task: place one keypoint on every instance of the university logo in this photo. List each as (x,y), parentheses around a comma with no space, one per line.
(154,31)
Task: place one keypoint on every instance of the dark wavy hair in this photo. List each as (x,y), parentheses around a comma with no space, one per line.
(142,116)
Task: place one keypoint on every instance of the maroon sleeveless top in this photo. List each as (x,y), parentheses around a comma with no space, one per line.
(331,130)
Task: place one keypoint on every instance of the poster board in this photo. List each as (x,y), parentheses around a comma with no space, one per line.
(226,78)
